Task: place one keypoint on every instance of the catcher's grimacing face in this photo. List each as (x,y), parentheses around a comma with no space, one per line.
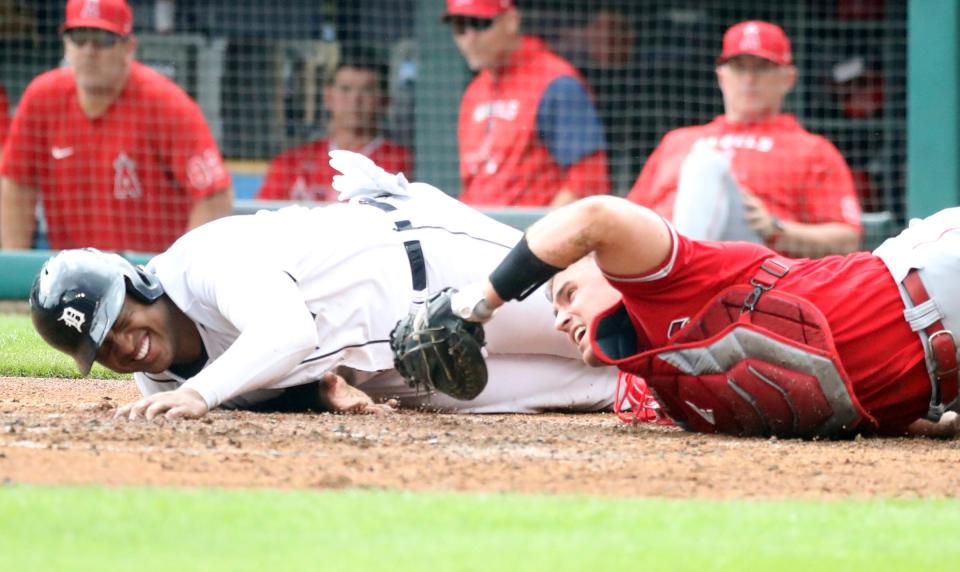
(144,338)
(580,293)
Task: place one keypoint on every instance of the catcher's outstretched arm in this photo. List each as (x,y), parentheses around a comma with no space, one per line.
(626,239)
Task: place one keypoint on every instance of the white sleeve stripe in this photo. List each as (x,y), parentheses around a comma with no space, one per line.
(659,274)
(344,348)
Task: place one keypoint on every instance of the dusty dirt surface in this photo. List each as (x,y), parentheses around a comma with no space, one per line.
(62,432)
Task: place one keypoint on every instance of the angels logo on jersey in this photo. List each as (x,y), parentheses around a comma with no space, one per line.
(205,169)
(73,318)
(126,185)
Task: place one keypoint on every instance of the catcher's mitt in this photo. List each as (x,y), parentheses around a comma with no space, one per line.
(436,350)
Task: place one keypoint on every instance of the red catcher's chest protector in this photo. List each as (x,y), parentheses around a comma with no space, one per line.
(772,370)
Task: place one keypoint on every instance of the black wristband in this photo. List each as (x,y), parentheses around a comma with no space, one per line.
(520,273)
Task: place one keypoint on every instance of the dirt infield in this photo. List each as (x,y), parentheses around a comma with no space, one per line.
(62,432)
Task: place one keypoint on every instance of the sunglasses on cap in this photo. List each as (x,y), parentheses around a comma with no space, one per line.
(101,39)
(461,24)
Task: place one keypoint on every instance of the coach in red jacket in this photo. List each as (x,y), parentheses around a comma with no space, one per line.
(529,133)
(754,173)
(121,157)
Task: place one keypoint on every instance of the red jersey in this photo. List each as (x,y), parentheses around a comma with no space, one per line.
(799,176)
(503,162)
(304,173)
(124,181)
(856,293)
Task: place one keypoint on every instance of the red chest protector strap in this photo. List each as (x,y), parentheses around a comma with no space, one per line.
(754,361)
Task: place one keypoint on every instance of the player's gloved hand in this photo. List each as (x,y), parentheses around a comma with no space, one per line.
(437,350)
(363,178)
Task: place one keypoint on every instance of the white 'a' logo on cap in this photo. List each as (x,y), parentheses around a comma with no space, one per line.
(91,9)
(751,37)
(73,318)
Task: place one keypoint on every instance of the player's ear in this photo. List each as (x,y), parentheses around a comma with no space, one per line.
(383,101)
(721,75)
(328,96)
(130,46)
(512,20)
(790,78)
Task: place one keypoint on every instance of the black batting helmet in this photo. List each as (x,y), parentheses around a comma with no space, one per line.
(78,295)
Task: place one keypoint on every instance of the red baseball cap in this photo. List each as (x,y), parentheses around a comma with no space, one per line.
(756,38)
(487,9)
(110,15)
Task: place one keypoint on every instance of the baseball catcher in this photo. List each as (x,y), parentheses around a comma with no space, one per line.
(734,339)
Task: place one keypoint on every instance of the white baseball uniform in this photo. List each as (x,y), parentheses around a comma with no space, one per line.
(282,297)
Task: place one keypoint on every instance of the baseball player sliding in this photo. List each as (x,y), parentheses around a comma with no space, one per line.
(245,306)
(733,338)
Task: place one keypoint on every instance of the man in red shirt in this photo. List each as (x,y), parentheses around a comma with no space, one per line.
(355,98)
(121,157)
(754,173)
(733,338)
(529,133)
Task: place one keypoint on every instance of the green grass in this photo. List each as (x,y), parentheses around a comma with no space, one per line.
(23,353)
(140,529)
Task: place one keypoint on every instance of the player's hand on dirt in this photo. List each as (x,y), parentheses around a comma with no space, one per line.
(948,427)
(338,396)
(757,215)
(183,403)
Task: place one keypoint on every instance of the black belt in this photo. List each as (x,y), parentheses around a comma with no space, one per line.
(418,267)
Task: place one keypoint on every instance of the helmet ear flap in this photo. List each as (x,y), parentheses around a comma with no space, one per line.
(145,287)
